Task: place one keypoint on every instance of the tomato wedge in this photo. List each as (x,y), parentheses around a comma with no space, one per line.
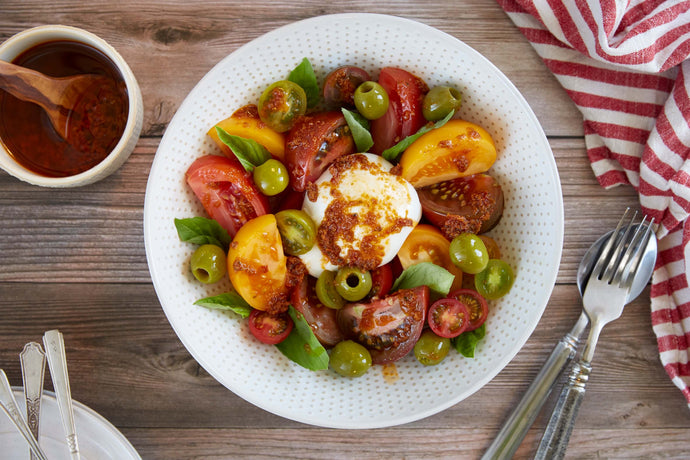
(257,266)
(313,143)
(226,191)
(390,326)
(448,317)
(270,329)
(404,116)
(320,318)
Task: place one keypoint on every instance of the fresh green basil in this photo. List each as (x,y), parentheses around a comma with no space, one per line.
(392,153)
(304,76)
(248,151)
(201,230)
(230,301)
(301,346)
(466,343)
(437,278)
(359,127)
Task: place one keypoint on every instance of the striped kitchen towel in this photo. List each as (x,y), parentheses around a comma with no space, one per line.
(626,65)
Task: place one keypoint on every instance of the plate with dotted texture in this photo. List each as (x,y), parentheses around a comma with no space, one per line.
(530,233)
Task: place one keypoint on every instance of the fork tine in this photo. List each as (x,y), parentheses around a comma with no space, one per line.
(603,258)
(615,259)
(635,251)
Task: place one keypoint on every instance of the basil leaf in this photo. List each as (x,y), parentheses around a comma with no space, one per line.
(200,230)
(229,301)
(304,76)
(425,274)
(466,343)
(392,153)
(301,346)
(359,127)
(248,151)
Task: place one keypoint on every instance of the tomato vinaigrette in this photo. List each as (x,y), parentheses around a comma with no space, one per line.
(354,234)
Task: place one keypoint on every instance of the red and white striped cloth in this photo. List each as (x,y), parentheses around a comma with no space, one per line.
(626,65)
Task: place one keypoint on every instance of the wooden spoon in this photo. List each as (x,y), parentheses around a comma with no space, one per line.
(59,97)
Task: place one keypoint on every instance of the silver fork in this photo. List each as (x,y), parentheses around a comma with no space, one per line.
(603,299)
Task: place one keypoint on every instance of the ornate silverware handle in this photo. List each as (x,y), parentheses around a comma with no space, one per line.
(9,405)
(520,420)
(57,363)
(33,362)
(555,440)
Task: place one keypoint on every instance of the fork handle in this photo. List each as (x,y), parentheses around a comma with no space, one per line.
(520,420)
(555,440)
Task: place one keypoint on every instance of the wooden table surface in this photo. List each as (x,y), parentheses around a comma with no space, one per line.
(75,260)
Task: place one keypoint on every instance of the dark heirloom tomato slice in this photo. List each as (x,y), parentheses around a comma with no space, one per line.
(448,317)
(475,200)
(226,191)
(313,143)
(268,328)
(340,85)
(321,319)
(475,303)
(389,327)
(405,115)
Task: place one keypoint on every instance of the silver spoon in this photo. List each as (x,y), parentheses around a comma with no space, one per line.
(521,419)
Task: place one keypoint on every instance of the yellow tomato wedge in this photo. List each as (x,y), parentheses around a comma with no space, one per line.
(457,149)
(427,244)
(245,122)
(256,263)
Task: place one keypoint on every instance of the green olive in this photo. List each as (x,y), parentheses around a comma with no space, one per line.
(208,263)
(352,283)
(431,349)
(281,104)
(271,177)
(350,359)
(468,253)
(371,100)
(326,291)
(440,101)
(297,231)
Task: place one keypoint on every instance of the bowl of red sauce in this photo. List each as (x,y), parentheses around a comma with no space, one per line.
(107,132)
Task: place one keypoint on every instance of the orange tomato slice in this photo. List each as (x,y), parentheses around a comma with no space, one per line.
(426,243)
(256,263)
(245,122)
(457,149)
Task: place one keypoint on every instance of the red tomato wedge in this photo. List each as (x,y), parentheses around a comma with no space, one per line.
(226,191)
(404,116)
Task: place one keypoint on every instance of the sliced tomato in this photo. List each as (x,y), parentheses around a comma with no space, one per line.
(448,317)
(404,116)
(339,85)
(313,143)
(321,318)
(226,191)
(426,243)
(475,303)
(381,281)
(389,326)
(268,328)
(257,266)
(457,149)
(471,204)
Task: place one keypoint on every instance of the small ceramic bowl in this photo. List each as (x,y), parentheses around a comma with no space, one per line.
(27,39)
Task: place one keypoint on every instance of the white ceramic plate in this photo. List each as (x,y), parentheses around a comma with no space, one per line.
(530,233)
(97,438)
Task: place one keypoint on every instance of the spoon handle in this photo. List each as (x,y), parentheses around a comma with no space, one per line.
(33,362)
(26,84)
(57,363)
(520,420)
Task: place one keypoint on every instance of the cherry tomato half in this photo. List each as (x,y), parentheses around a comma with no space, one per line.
(475,303)
(381,281)
(404,116)
(313,144)
(340,85)
(495,280)
(281,104)
(226,191)
(448,317)
(270,329)
(474,201)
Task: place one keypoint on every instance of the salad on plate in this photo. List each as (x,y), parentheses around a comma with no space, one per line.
(351,217)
